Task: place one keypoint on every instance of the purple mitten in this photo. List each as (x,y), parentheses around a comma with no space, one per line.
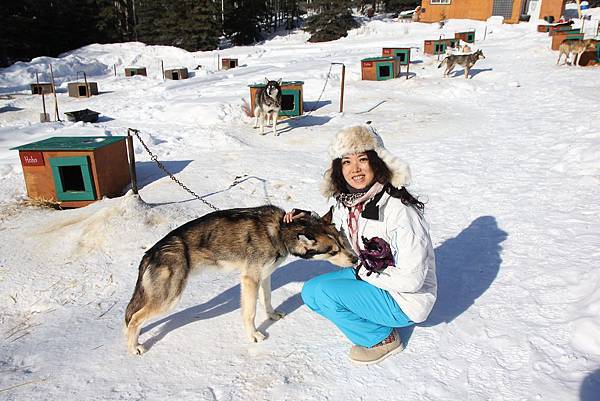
(376,256)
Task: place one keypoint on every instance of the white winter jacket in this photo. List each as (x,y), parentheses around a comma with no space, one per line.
(412,282)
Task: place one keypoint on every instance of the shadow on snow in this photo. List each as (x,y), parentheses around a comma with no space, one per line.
(466,267)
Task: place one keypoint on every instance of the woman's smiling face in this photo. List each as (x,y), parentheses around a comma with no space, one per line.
(357,171)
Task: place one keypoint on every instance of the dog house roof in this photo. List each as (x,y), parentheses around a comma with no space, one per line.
(380,58)
(71,143)
(262,85)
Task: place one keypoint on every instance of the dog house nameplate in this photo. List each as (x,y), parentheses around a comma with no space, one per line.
(32,158)
(367,64)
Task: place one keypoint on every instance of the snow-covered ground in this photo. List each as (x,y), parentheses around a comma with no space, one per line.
(508,162)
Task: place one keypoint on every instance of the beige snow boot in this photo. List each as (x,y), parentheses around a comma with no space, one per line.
(389,346)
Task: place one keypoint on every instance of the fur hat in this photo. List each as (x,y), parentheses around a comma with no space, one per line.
(361,138)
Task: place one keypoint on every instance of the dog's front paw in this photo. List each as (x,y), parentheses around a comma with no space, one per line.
(139,349)
(257,337)
(276,315)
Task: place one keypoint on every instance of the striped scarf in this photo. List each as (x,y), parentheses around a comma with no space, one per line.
(355,205)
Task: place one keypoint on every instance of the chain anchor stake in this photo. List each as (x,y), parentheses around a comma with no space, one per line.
(154,158)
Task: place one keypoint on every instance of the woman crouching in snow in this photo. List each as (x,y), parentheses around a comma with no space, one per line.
(394,285)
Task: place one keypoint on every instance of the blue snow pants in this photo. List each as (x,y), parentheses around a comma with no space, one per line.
(364,313)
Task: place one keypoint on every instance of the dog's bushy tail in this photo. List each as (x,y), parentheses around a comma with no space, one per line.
(246,108)
(138,299)
(443,61)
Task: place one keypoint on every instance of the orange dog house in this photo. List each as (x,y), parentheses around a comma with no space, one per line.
(228,63)
(466,36)
(438,46)
(561,36)
(75,171)
(292,103)
(42,87)
(380,68)
(131,71)
(591,57)
(401,53)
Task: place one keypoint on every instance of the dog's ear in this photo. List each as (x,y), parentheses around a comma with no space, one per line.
(279,81)
(266,80)
(306,241)
(328,216)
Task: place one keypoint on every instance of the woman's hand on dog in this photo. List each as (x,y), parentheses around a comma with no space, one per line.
(293,215)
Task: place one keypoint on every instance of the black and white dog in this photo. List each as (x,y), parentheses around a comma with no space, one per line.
(267,105)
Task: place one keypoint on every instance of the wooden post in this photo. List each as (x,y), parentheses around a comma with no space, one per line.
(46,117)
(54,91)
(342,91)
(162,67)
(132,174)
(87,86)
(218,62)
(485,33)
(115,68)
(579,9)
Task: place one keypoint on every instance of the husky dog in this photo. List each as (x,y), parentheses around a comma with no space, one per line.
(267,105)
(254,241)
(467,61)
(574,47)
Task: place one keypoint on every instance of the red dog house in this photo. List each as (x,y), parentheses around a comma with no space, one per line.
(75,171)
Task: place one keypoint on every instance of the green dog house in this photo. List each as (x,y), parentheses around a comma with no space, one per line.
(75,171)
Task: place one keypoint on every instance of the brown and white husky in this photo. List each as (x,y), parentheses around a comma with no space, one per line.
(254,241)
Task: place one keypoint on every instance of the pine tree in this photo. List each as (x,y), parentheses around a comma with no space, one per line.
(243,19)
(332,21)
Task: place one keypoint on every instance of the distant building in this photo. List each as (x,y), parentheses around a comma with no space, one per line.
(511,10)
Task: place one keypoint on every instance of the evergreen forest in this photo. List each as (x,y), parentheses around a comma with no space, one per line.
(32,28)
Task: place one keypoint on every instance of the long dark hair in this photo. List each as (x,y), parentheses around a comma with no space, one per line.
(382,174)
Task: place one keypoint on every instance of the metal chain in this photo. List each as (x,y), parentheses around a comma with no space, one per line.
(322,91)
(163,168)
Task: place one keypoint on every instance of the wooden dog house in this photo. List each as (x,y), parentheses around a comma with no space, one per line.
(401,53)
(176,73)
(591,57)
(228,63)
(131,71)
(82,89)
(557,29)
(548,27)
(75,171)
(38,89)
(292,103)
(466,36)
(439,46)
(380,68)
(561,36)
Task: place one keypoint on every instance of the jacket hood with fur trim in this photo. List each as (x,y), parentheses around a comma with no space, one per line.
(358,139)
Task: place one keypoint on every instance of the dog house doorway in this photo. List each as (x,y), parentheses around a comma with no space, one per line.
(384,71)
(175,75)
(72,178)
(290,102)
